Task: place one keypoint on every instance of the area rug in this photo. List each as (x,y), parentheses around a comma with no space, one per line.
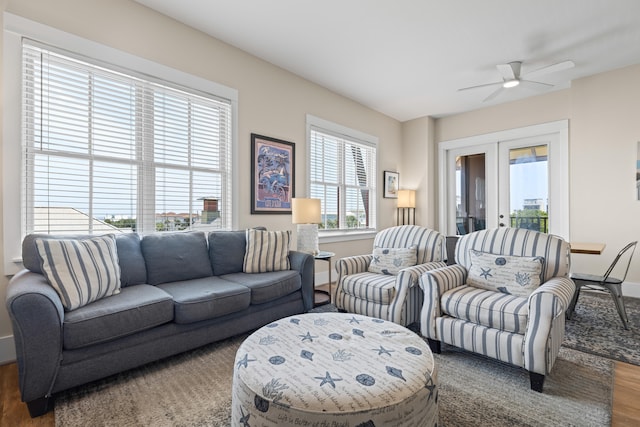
(194,389)
(595,328)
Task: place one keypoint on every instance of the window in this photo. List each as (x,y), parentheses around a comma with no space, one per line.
(109,150)
(342,174)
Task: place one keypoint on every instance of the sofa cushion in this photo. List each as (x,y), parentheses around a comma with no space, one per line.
(488,308)
(132,266)
(136,308)
(392,260)
(377,288)
(172,257)
(206,298)
(515,275)
(266,251)
(81,270)
(267,287)
(226,251)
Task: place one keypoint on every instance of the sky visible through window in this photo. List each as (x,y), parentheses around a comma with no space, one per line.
(115,146)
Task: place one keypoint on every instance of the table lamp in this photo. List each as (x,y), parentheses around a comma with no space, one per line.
(306,214)
(406,206)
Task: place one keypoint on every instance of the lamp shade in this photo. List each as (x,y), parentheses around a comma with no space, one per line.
(305,211)
(406,198)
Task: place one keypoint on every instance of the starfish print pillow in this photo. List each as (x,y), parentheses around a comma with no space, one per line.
(515,275)
(391,260)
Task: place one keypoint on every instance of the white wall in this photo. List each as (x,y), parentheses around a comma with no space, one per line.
(604,129)
(272,101)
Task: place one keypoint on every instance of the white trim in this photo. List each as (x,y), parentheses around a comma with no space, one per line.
(15,28)
(7,350)
(347,236)
(339,129)
(559,177)
(631,289)
(331,236)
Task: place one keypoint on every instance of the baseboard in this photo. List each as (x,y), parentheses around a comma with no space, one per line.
(630,289)
(7,350)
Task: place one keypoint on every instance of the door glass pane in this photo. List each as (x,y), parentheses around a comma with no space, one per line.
(470,193)
(529,188)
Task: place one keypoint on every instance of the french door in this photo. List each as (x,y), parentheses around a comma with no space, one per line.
(515,178)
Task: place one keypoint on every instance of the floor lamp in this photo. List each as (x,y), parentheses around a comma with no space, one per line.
(306,214)
(406,207)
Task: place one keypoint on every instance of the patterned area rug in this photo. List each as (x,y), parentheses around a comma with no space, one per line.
(194,389)
(596,328)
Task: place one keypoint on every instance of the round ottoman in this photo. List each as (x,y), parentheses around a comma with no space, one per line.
(334,369)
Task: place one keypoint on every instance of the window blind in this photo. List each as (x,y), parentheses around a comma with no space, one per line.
(106,150)
(342,176)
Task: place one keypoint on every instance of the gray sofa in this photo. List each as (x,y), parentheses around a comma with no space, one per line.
(179,291)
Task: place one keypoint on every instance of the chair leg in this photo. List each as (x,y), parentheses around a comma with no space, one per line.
(572,304)
(537,381)
(616,294)
(434,345)
(40,406)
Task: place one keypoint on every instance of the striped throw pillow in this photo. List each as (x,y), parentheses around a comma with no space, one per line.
(81,270)
(266,251)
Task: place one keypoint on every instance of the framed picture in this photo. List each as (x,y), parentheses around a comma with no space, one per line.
(272,175)
(391,184)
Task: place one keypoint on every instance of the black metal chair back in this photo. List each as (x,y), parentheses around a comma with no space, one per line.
(612,284)
(631,246)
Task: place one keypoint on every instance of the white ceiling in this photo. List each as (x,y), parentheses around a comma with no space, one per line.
(408,58)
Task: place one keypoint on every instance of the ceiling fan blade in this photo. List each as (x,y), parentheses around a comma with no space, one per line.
(535,85)
(560,66)
(494,94)
(484,85)
(510,71)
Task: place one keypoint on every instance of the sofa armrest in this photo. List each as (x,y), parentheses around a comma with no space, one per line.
(411,275)
(353,265)
(562,288)
(37,317)
(433,284)
(350,265)
(303,263)
(545,329)
(406,279)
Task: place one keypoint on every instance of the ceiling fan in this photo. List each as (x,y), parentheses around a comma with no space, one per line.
(511,77)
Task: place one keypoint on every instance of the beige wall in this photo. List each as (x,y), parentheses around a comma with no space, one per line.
(604,129)
(418,163)
(271,102)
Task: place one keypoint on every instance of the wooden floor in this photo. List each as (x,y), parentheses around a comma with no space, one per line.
(626,399)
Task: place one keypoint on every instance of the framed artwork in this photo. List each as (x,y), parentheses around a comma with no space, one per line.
(272,175)
(391,184)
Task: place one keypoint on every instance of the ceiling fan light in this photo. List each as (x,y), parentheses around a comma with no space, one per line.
(510,83)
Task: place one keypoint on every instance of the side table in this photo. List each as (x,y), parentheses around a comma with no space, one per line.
(322,297)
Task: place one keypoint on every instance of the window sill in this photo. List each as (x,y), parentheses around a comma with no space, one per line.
(344,236)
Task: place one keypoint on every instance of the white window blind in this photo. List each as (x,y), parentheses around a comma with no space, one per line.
(107,150)
(342,176)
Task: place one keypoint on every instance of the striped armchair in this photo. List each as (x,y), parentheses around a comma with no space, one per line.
(522,330)
(396,298)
